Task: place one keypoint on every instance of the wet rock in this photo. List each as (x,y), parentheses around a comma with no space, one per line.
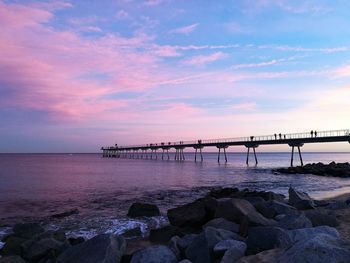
(164,234)
(27,230)
(235,210)
(192,214)
(321,219)
(101,248)
(307,233)
(294,222)
(154,254)
(223,224)
(12,259)
(75,241)
(12,246)
(317,249)
(265,238)
(300,200)
(267,256)
(237,248)
(233,254)
(143,209)
(35,250)
(66,213)
(265,210)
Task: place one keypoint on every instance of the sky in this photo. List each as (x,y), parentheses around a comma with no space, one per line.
(78,75)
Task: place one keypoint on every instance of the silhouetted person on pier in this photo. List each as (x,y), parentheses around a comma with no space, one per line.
(315,132)
(284,136)
(280,135)
(251,138)
(199,141)
(275,136)
(312,133)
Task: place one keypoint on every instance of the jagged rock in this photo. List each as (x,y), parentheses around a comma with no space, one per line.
(101,248)
(12,246)
(75,241)
(267,256)
(66,213)
(294,222)
(235,210)
(27,230)
(142,209)
(223,224)
(154,254)
(35,250)
(300,200)
(12,259)
(236,247)
(164,234)
(192,214)
(318,249)
(320,219)
(264,238)
(307,233)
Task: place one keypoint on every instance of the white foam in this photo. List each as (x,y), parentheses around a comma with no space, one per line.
(4,231)
(85,233)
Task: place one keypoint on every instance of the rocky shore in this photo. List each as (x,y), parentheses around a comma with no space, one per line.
(227,225)
(332,169)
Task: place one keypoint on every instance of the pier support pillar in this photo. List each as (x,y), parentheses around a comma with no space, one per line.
(292,157)
(253,146)
(224,150)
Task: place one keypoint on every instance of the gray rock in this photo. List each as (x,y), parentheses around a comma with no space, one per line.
(318,249)
(142,209)
(235,210)
(300,200)
(27,230)
(201,248)
(281,208)
(33,250)
(164,234)
(224,245)
(154,254)
(321,219)
(264,238)
(192,214)
(12,246)
(294,222)
(106,248)
(233,254)
(267,256)
(173,244)
(185,241)
(307,233)
(12,259)
(223,224)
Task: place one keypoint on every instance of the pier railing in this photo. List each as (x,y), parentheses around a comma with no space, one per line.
(271,137)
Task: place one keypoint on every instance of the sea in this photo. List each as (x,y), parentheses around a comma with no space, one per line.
(34,187)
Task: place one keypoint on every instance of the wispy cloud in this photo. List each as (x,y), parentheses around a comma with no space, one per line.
(122,15)
(305,49)
(205,59)
(185,29)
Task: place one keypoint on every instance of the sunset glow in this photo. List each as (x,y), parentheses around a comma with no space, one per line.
(76,75)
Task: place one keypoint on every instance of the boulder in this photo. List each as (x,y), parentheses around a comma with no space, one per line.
(12,259)
(224,192)
(27,230)
(164,234)
(201,247)
(237,247)
(265,238)
(318,249)
(192,214)
(12,246)
(142,209)
(34,250)
(267,256)
(265,210)
(102,248)
(223,224)
(294,222)
(235,210)
(233,254)
(173,244)
(321,219)
(66,213)
(300,200)
(75,241)
(307,233)
(154,254)
(281,208)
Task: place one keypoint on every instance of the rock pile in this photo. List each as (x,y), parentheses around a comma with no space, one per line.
(332,170)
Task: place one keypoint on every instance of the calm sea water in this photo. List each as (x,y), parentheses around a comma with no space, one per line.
(102,189)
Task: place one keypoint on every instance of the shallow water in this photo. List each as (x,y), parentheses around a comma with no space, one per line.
(39,185)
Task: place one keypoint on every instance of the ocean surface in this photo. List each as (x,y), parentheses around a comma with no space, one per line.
(37,186)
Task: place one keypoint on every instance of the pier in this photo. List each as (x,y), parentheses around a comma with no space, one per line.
(293,140)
